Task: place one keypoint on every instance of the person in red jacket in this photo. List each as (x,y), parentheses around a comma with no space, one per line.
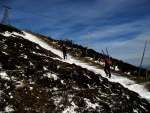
(107,66)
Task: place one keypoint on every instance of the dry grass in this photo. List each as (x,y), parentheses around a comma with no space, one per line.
(147,87)
(92,63)
(137,80)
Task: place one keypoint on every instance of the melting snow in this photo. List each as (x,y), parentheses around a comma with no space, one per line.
(3,75)
(141,90)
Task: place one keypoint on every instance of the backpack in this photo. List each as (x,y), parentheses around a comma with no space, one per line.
(64,48)
(108,61)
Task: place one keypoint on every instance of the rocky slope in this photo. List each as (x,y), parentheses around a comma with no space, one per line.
(33,79)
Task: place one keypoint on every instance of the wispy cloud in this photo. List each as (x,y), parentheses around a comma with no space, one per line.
(121,25)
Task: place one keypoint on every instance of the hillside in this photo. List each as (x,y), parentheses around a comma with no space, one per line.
(35,79)
(80,51)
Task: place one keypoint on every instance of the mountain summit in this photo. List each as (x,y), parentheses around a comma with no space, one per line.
(36,80)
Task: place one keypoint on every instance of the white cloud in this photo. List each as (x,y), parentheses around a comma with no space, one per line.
(121,25)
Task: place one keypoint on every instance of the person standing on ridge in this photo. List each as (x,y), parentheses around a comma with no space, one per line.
(64,50)
(107,66)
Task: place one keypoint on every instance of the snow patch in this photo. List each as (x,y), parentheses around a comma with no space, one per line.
(50,75)
(3,75)
(9,109)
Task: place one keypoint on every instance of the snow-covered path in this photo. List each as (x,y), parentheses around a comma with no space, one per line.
(140,89)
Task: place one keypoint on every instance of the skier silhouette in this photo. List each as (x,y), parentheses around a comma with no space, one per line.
(64,50)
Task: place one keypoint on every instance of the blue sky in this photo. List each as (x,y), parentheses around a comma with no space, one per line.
(122,26)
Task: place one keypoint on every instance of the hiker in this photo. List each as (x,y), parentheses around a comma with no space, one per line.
(107,66)
(64,50)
